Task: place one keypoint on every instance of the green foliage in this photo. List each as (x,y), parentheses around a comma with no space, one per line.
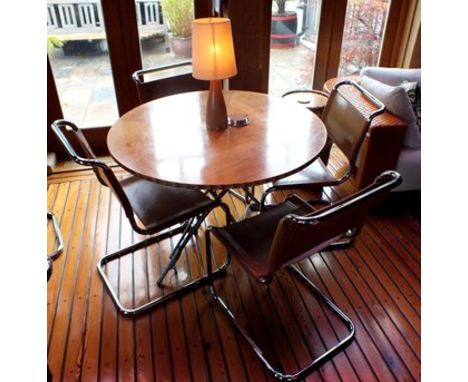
(54,42)
(179,16)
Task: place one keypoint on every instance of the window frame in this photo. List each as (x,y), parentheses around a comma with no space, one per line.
(400,48)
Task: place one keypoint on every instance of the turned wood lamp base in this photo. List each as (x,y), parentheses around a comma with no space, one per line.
(216,114)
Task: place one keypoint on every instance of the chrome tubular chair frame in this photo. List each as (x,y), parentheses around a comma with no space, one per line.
(313,231)
(352,160)
(163,87)
(317,362)
(138,75)
(58,236)
(251,203)
(188,228)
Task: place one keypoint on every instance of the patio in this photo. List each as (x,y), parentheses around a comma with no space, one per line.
(85,85)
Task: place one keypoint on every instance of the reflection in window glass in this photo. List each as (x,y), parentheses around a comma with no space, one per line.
(165,30)
(293,44)
(77,48)
(362,37)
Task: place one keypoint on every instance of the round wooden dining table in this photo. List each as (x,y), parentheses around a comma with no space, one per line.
(166,141)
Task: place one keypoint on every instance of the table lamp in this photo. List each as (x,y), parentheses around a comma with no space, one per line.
(213,60)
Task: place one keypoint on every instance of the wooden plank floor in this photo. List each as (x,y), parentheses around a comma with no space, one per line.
(376,282)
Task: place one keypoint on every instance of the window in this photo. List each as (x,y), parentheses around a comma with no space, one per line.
(362,35)
(293,45)
(165,30)
(77,48)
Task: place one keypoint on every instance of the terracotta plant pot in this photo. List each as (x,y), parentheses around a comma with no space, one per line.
(283,30)
(181,46)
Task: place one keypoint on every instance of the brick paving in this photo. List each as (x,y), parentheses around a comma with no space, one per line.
(85,85)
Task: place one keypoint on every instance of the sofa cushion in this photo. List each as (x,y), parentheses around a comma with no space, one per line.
(413,90)
(397,102)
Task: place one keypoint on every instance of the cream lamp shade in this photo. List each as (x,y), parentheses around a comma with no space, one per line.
(213,49)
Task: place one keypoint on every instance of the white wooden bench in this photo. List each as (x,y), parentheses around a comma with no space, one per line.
(74,20)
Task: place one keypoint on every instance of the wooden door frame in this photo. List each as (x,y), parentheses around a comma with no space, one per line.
(123,40)
(401,46)
(329,40)
(251,28)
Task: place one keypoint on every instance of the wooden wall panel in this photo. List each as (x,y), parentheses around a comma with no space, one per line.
(413,47)
(393,32)
(330,37)
(54,111)
(251,26)
(412,23)
(401,46)
(124,51)
(202,8)
(415,61)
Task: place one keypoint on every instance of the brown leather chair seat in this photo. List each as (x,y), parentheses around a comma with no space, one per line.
(173,204)
(252,238)
(316,173)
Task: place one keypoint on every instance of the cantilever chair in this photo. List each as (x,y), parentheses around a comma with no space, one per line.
(50,266)
(150,208)
(153,89)
(346,128)
(58,237)
(282,236)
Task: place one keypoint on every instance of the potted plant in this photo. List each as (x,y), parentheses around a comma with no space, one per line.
(283,26)
(178,16)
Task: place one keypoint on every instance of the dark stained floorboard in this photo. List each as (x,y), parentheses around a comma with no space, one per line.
(376,282)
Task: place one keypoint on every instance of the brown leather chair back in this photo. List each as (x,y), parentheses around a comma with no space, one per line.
(346,125)
(297,237)
(103,172)
(153,89)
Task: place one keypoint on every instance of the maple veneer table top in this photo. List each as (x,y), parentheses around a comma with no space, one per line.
(166,141)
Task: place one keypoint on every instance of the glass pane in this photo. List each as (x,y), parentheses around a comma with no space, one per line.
(165,29)
(294,29)
(363,32)
(77,48)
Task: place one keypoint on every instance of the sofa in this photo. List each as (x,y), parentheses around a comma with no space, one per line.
(385,83)
(393,140)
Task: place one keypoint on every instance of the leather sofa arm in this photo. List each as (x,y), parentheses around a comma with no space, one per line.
(383,142)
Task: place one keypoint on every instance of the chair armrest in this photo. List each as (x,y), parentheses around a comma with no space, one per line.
(138,75)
